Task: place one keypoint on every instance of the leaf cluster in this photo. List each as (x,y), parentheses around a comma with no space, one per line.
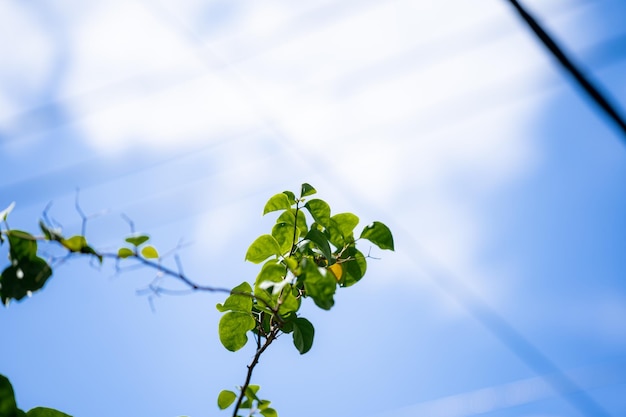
(309,253)
(139,248)
(251,402)
(27,272)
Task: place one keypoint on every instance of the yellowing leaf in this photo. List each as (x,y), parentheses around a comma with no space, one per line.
(149,252)
(124,253)
(336,270)
(75,243)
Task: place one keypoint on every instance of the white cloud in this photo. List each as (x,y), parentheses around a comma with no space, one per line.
(352,96)
(24,69)
(117,40)
(198,110)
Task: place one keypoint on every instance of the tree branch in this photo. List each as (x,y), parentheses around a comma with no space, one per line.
(175,274)
(270,338)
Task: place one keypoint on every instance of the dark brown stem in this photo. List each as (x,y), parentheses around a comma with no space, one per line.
(270,338)
(167,271)
(295,231)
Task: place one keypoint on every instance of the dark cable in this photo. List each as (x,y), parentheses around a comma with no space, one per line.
(600,99)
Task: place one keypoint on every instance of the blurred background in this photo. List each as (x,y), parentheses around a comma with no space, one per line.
(446,120)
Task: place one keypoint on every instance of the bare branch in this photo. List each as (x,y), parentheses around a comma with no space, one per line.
(270,338)
(130,222)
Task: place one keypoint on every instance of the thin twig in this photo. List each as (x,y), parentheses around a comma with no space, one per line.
(81,213)
(130,222)
(170,272)
(295,231)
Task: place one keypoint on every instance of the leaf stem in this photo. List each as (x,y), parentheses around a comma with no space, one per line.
(295,231)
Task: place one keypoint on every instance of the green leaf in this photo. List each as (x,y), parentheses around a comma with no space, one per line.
(232,329)
(303,333)
(45,412)
(321,241)
(49,233)
(291,196)
(307,189)
(271,273)
(292,264)
(4,214)
(240,299)
(149,252)
(79,244)
(225,399)
(23,245)
(91,251)
(289,217)
(277,202)
(262,248)
(27,276)
(125,253)
(320,211)
(287,327)
(379,235)
(8,407)
(75,243)
(319,286)
(263,404)
(269,412)
(251,391)
(353,268)
(345,222)
(284,234)
(335,236)
(290,303)
(137,240)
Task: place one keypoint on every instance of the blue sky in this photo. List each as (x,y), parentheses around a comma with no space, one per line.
(445,120)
